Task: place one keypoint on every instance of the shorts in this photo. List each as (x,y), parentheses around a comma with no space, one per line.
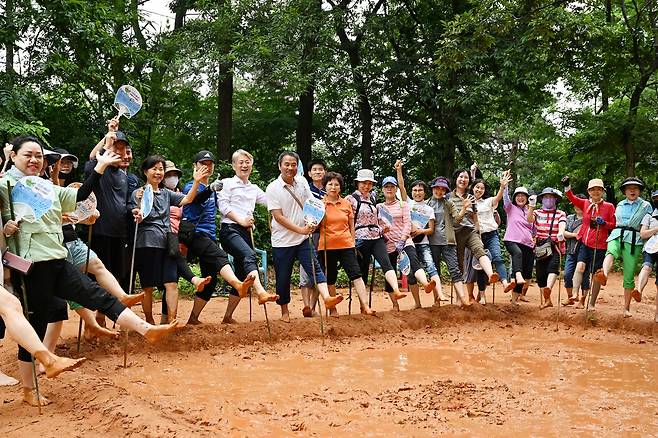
(78,253)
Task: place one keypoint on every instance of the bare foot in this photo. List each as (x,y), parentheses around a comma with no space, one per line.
(199,283)
(229,320)
(523,298)
(131,300)
(636,295)
(494,278)
(193,320)
(93,332)
(570,301)
(6,380)
(149,319)
(368,311)
(307,312)
(30,397)
(55,365)
(600,277)
(510,286)
(156,333)
(264,297)
(285,317)
(331,302)
(396,306)
(243,288)
(398,295)
(430,286)
(627,314)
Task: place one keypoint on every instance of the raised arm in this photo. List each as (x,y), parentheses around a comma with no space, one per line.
(504,183)
(403,190)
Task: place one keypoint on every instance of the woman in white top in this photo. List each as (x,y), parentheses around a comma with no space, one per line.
(486,207)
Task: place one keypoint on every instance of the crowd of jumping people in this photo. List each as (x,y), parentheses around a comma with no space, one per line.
(454,220)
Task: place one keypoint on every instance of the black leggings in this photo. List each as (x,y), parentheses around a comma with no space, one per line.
(369,248)
(410,250)
(211,260)
(61,279)
(523,259)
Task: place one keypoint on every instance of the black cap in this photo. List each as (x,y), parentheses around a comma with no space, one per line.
(120,136)
(204,156)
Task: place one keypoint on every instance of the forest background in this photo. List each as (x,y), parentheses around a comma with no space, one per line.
(547,88)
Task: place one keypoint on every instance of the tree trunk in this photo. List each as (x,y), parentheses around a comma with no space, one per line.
(9,45)
(224,112)
(304,132)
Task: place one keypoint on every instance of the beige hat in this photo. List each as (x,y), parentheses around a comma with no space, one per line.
(365,175)
(171,167)
(596,182)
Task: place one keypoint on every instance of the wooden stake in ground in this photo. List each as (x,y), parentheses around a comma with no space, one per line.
(267,318)
(25,308)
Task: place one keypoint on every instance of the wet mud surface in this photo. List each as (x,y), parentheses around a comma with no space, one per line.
(497,370)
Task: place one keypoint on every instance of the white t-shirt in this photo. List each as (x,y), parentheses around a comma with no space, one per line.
(486,215)
(425,210)
(651,221)
(278,198)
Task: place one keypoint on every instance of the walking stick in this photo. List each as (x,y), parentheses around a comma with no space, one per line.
(451,288)
(372,283)
(86,272)
(315,285)
(559,291)
(591,271)
(26,311)
(267,318)
(130,291)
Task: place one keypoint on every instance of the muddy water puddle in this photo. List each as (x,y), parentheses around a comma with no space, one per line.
(525,384)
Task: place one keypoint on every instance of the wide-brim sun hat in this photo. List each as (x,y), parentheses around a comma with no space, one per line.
(365,175)
(171,167)
(631,181)
(549,191)
(596,182)
(521,190)
(441,182)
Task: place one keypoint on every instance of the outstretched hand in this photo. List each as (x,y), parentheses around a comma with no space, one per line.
(565,181)
(398,165)
(506,178)
(109,158)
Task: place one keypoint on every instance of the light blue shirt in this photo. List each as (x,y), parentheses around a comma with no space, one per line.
(630,214)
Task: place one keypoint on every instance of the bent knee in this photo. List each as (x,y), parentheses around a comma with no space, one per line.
(580,267)
(96,266)
(9,302)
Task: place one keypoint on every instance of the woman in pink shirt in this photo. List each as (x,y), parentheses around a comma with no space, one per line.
(395,220)
(519,241)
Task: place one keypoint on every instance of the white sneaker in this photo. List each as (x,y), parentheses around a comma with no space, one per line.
(483,300)
(627,314)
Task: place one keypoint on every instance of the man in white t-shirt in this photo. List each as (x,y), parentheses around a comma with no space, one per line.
(286,196)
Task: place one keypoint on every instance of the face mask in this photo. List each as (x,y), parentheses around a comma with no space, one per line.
(548,203)
(171,182)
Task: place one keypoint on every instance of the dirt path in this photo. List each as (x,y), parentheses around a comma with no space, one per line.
(494,370)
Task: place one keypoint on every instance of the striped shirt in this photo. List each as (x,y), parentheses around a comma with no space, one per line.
(400,229)
(543,219)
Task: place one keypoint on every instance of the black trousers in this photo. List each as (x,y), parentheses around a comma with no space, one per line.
(59,278)
(115,255)
(237,242)
(347,259)
(523,260)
